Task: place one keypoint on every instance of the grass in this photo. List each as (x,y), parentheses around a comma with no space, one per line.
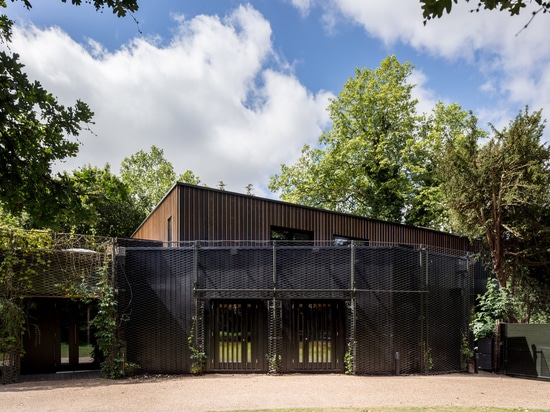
(83,350)
(319,351)
(232,352)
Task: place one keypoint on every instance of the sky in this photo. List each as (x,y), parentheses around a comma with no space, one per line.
(231,90)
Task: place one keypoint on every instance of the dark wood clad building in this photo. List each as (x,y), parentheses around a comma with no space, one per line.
(189,213)
(262,285)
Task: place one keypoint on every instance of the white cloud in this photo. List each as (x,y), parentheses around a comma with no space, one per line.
(213,97)
(302,5)
(514,63)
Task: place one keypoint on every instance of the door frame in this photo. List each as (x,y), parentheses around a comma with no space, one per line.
(42,341)
(305,320)
(245,358)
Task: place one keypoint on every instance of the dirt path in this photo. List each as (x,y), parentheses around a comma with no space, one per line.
(230,392)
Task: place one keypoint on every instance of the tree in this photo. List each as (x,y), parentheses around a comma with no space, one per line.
(36,131)
(103,207)
(498,191)
(119,7)
(435,8)
(33,130)
(149,176)
(359,167)
(378,160)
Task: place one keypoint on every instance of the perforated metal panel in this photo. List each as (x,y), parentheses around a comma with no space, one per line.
(391,301)
(156,292)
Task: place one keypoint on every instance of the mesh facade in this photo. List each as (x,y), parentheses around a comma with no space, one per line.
(304,307)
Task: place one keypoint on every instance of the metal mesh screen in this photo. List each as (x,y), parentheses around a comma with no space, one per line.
(449,284)
(57,265)
(156,296)
(275,339)
(403,309)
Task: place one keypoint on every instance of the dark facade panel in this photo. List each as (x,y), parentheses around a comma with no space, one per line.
(231,272)
(156,293)
(201,213)
(404,301)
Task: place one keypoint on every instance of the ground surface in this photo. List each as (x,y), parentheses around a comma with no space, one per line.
(215,392)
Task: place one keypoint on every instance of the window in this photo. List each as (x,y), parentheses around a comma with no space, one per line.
(169,230)
(293,236)
(346,240)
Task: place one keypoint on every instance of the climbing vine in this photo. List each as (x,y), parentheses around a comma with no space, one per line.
(42,263)
(349,359)
(23,255)
(198,357)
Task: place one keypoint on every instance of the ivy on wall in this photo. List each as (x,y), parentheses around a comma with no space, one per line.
(42,263)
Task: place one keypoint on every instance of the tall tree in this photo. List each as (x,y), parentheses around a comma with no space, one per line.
(499,191)
(36,131)
(359,167)
(378,160)
(149,176)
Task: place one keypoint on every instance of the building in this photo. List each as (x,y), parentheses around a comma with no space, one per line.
(258,285)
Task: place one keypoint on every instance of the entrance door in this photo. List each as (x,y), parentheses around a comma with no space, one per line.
(237,331)
(76,337)
(59,336)
(317,336)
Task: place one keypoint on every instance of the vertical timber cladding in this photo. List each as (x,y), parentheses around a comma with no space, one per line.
(210,214)
(156,294)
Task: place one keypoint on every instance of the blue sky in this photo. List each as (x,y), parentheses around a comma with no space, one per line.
(231,89)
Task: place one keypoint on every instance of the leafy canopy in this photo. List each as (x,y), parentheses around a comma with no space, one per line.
(379,157)
(149,176)
(119,7)
(36,131)
(497,189)
(435,8)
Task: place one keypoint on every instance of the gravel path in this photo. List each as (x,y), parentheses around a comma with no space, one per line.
(215,392)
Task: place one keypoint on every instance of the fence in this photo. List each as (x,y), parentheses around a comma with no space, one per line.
(526,349)
(263,306)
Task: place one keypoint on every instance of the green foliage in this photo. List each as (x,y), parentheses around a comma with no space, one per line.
(379,158)
(189,177)
(30,255)
(198,357)
(149,176)
(273,363)
(435,8)
(118,7)
(496,189)
(22,255)
(106,335)
(349,359)
(492,308)
(466,353)
(360,165)
(12,326)
(103,205)
(36,131)
(428,360)
(107,324)
(525,304)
